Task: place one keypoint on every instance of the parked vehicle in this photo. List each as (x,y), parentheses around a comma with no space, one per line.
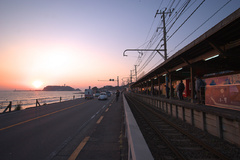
(89,94)
(103,96)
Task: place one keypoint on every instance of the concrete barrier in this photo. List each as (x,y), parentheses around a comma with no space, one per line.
(137,146)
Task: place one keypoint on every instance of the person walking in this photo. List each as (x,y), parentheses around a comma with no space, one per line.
(117,95)
(180,90)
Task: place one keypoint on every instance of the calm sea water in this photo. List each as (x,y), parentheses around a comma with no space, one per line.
(28,98)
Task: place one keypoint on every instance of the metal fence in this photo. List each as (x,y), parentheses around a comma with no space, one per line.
(26,103)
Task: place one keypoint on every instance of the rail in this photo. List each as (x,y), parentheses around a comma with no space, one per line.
(161,125)
(220,122)
(137,146)
(27,103)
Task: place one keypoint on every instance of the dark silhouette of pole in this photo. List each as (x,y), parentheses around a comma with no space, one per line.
(165,45)
(37,103)
(8,107)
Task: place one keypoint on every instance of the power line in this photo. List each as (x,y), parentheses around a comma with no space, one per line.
(157,35)
(181,10)
(201,24)
(156,38)
(164,38)
(138,62)
(186,19)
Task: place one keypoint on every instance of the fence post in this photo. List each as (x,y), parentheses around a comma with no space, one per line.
(8,107)
(37,103)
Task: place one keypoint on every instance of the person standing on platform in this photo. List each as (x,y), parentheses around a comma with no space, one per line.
(198,84)
(180,90)
(167,91)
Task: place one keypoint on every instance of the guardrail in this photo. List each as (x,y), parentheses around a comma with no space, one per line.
(27,103)
(137,146)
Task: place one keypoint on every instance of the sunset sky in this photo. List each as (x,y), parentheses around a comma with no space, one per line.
(78,42)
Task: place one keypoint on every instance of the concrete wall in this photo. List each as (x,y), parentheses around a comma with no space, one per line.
(137,146)
(188,117)
(231,130)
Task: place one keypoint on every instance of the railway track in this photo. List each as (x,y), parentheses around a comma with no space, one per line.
(167,139)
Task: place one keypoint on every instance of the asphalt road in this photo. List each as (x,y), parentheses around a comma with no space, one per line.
(37,133)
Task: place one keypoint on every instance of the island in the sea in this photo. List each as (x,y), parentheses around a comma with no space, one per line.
(58,88)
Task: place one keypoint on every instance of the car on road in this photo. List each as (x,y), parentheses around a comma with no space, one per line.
(108,94)
(97,94)
(103,96)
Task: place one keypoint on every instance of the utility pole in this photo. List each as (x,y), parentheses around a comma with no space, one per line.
(165,46)
(164,36)
(164,31)
(136,72)
(118,81)
(130,76)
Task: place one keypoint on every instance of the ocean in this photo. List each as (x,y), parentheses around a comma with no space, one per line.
(28,98)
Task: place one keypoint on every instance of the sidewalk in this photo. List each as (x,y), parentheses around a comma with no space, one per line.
(107,142)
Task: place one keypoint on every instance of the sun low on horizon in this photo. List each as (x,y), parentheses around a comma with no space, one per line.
(37,84)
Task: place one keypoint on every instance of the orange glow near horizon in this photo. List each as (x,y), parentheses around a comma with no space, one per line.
(57,42)
(58,66)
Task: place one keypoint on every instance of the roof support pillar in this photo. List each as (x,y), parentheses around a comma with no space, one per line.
(192,83)
(171,87)
(152,87)
(166,86)
(159,86)
(147,88)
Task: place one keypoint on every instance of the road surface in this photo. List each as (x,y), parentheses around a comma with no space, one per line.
(38,133)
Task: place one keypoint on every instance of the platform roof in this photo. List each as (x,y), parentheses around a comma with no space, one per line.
(223,39)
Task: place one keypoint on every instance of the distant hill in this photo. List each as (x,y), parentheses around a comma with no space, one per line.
(58,88)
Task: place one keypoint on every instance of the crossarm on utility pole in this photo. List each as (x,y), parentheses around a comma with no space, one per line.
(142,50)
